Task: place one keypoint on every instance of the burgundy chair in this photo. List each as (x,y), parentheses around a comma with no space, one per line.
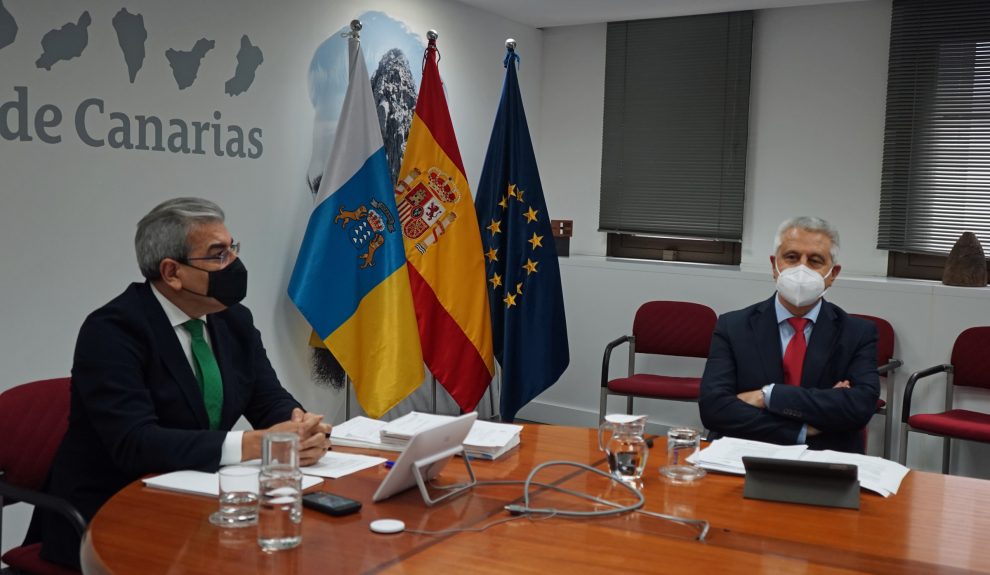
(33,419)
(886,364)
(674,328)
(970,367)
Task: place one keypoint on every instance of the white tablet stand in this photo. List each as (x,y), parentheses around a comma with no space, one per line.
(428,467)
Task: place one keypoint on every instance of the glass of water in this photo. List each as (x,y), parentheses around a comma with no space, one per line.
(682,442)
(280,509)
(238,497)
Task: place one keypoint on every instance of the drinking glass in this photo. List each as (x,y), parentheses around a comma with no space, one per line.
(682,442)
(280,512)
(238,497)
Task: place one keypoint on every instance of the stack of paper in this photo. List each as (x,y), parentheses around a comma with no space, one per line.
(487,440)
(361,432)
(875,473)
(400,431)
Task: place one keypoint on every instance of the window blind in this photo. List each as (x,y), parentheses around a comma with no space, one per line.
(676,126)
(936,161)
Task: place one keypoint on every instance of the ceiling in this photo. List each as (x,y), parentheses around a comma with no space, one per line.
(547,13)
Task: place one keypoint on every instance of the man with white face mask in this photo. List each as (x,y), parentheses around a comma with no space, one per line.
(794,368)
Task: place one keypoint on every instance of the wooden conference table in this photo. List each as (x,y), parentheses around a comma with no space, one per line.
(935,524)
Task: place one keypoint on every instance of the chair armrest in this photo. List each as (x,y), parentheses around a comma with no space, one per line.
(909,388)
(889,366)
(608,355)
(44,501)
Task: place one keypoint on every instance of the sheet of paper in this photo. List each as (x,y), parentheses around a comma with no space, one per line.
(412,423)
(875,473)
(338,464)
(725,454)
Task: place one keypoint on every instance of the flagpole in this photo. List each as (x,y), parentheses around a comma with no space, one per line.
(433,384)
(347,397)
(356,34)
(491,391)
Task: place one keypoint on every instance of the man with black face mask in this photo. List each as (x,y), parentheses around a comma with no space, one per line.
(163,372)
(794,368)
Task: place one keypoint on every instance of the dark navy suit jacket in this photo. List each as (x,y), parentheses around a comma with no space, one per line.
(136,406)
(746,355)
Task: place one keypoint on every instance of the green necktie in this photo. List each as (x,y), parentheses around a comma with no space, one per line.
(207,372)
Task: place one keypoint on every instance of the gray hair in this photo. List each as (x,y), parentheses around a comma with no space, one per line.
(163,233)
(809,224)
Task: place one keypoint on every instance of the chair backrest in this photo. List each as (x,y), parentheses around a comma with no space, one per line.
(674,328)
(970,358)
(885,337)
(33,420)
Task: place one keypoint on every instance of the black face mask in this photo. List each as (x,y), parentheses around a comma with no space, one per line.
(229,285)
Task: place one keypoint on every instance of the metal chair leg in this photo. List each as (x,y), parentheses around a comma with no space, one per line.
(945,455)
(602,405)
(902,458)
(629,405)
(888,430)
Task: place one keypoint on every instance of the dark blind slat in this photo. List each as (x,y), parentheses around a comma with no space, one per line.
(936,160)
(676,125)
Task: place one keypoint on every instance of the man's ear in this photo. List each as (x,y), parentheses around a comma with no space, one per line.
(835,271)
(773,266)
(169,270)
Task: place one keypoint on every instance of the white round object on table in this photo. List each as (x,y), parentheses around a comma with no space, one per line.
(387,526)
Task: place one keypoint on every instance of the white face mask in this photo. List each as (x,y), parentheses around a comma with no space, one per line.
(800,285)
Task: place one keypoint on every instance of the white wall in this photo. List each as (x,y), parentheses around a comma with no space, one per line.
(68,211)
(815,147)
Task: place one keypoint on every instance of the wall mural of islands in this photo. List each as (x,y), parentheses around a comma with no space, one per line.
(8,27)
(71,39)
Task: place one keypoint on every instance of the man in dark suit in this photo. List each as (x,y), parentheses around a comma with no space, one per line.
(794,368)
(154,389)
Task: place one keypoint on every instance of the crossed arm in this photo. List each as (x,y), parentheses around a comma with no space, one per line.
(731,401)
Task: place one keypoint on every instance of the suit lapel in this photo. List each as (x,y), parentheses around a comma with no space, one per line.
(175,360)
(766,335)
(819,348)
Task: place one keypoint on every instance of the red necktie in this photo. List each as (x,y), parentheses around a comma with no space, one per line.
(794,355)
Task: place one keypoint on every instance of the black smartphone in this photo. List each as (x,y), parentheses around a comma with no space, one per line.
(331,504)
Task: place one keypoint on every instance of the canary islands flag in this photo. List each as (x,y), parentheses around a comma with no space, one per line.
(527,303)
(443,246)
(350,279)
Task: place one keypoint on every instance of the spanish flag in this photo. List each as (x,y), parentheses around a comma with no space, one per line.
(350,279)
(443,247)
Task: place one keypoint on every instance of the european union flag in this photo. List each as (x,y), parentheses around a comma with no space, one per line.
(529,331)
